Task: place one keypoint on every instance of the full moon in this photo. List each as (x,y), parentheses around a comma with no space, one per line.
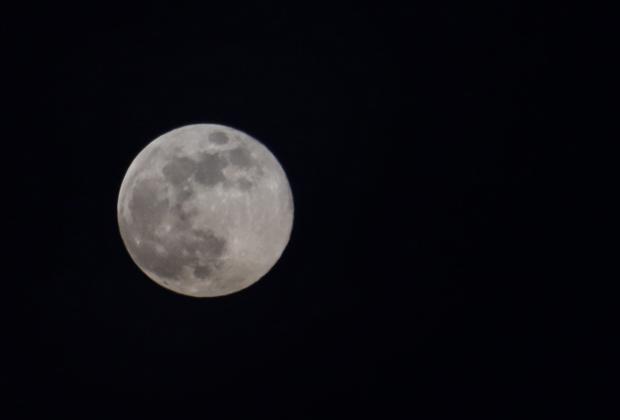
(205,210)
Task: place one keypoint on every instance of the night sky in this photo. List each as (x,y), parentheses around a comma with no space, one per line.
(426,240)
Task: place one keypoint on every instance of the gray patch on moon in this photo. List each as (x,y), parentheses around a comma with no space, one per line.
(210,169)
(244,184)
(240,157)
(210,242)
(183,215)
(185,193)
(179,169)
(202,271)
(166,255)
(218,137)
(182,195)
(145,203)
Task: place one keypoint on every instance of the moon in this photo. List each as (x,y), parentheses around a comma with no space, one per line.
(205,210)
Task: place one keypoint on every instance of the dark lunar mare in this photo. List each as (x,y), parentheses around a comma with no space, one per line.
(199,249)
(218,137)
(240,157)
(208,169)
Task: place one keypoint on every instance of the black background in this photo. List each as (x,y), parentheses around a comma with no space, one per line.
(432,234)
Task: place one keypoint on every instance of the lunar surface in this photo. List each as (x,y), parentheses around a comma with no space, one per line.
(205,210)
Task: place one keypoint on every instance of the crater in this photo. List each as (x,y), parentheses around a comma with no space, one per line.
(218,137)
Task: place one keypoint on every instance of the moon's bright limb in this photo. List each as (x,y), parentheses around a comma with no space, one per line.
(205,210)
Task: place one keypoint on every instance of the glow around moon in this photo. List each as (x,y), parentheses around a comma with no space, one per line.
(205,210)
